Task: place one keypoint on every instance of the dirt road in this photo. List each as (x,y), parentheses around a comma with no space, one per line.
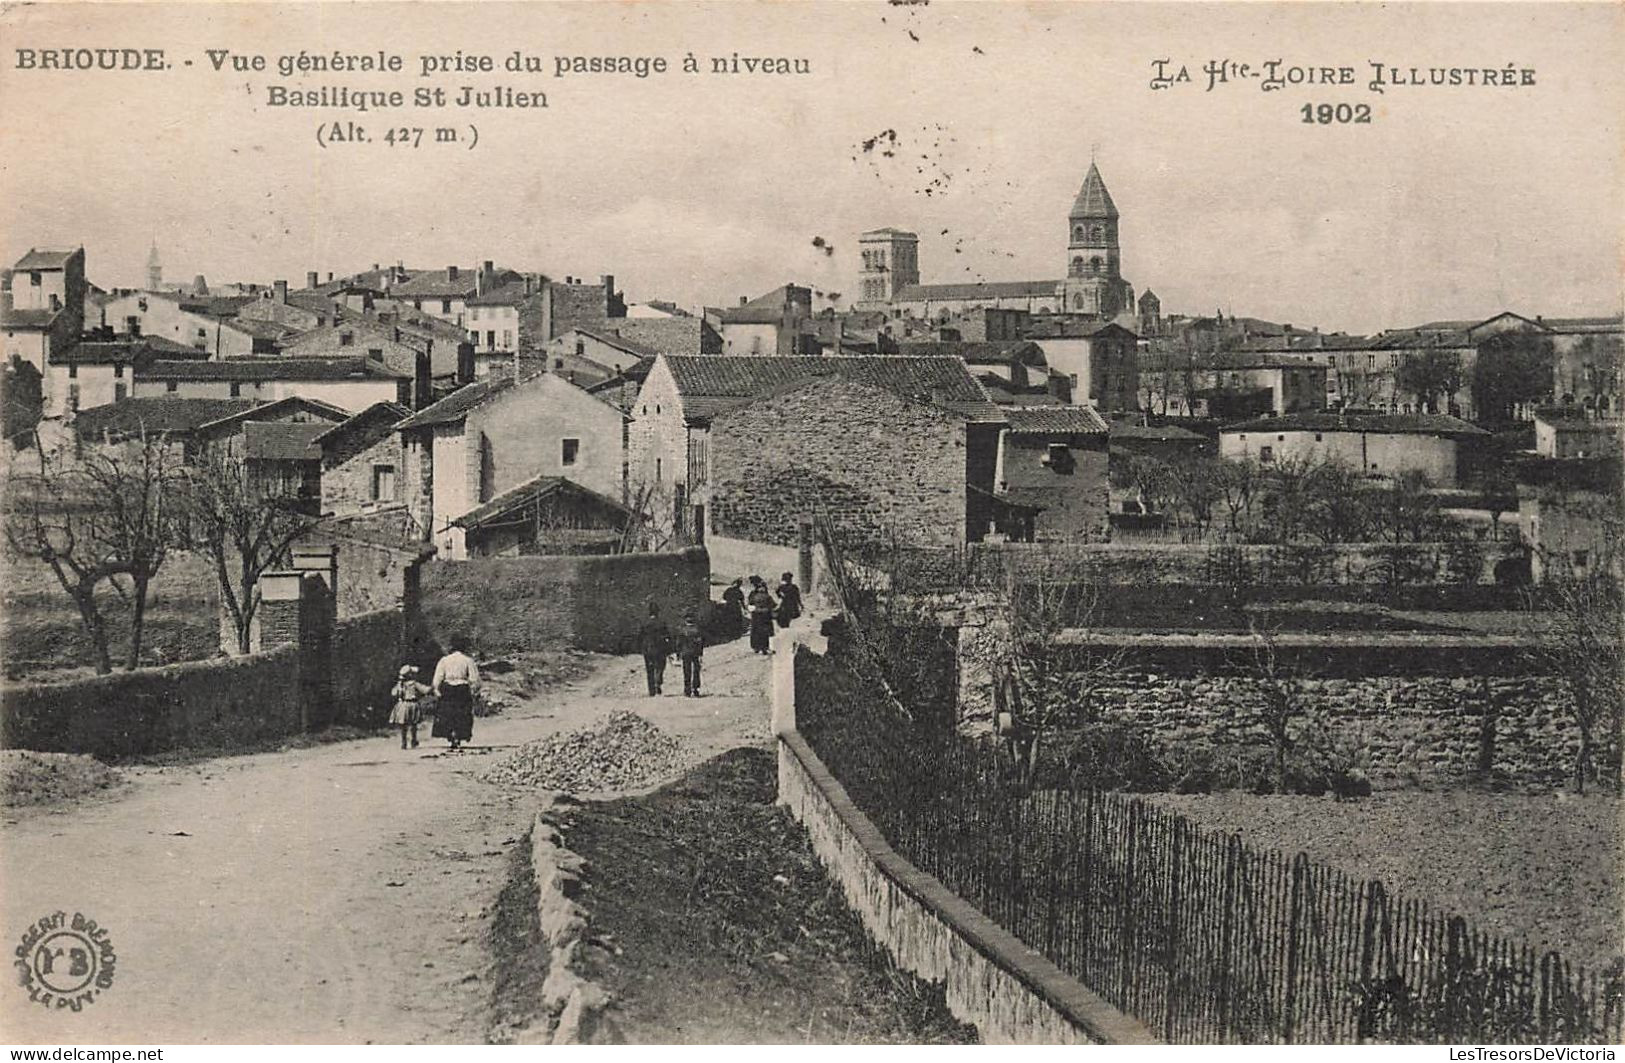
(333,894)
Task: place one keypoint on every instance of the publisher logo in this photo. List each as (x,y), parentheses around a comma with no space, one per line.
(65,962)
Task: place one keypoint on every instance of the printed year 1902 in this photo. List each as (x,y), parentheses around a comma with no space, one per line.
(1336,114)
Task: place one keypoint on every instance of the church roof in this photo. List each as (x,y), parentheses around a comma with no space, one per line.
(919,293)
(1093,200)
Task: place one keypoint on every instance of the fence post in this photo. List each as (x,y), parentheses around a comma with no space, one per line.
(1088,883)
(1375,899)
(1232,851)
(1294,925)
(1175,868)
(1128,897)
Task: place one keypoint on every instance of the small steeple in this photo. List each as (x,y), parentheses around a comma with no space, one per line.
(155,267)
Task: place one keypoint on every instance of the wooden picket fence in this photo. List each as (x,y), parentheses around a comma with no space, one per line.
(1203,938)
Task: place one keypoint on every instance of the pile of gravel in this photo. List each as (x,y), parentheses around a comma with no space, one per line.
(621,752)
(29,778)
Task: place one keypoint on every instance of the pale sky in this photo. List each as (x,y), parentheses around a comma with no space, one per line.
(1452,202)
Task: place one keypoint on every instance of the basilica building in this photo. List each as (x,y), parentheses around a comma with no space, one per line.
(1093,284)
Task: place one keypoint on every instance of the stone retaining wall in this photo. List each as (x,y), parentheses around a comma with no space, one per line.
(211,704)
(1011,993)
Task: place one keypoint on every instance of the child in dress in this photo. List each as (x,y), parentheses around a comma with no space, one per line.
(408,711)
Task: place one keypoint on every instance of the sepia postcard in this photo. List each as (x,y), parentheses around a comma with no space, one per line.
(880,522)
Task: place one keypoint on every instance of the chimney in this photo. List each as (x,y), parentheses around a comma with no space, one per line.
(330,276)
(282,292)
(451,273)
(488,266)
(422,381)
(481,282)
(609,285)
(743,299)
(312,279)
(530,283)
(375,266)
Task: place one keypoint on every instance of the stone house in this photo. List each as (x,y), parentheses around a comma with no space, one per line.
(897,444)
(1373,444)
(1570,433)
(176,421)
(275,443)
(492,435)
(100,370)
(1053,462)
(352,384)
(1100,359)
(778,323)
(204,323)
(44,308)
(447,293)
(1230,384)
(362,461)
(559,306)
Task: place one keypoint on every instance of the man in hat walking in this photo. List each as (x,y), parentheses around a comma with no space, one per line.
(654,640)
(690,647)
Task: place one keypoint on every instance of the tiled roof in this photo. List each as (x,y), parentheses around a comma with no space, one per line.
(1166,433)
(262,328)
(1585,324)
(667,335)
(1054,420)
(27,319)
(328,414)
(1221,360)
(159,414)
(282,441)
(378,413)
(1411,339)
(453,409)
(37,259)
(125,350)
(220,306)
(1093,200)
(919,293)
(614,339)
(1068,327)
(1023,351)
(511,294)
(709,384)
(436,284)
(1425,424)
(528,492)
(272,369)
(887,231)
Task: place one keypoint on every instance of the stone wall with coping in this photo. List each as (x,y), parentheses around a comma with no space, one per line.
(1008,991)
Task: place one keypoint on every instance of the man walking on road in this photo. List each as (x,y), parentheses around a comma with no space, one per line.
(690,647)
(654,639)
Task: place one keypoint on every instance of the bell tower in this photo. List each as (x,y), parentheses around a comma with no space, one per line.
(1094,281)
(891,262)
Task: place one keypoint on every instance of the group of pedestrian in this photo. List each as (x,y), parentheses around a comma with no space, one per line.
(455,684)
(760,609)
(456,680)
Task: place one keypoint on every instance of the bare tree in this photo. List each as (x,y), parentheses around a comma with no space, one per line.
(136,486)
(52,517)
(1047,662)
(1240,482)
(243,526)
(1280,701)
(1582,648)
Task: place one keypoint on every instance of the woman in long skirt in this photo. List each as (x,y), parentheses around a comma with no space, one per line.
(761,605)
(456,681)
